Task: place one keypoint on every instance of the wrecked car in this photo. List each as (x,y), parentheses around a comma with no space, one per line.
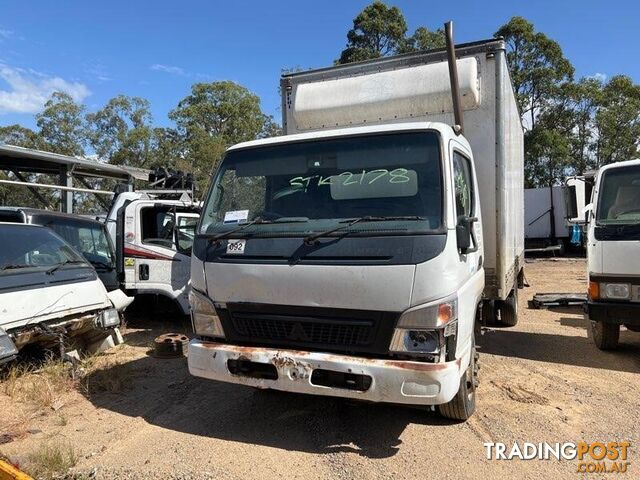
(51,295)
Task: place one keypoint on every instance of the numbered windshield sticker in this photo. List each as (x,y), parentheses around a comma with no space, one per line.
(235,247)
(236,216)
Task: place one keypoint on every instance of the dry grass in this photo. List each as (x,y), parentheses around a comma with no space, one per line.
(51,460)
(41,388)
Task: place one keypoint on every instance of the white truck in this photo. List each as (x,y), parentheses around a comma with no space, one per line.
(352,256)
(550,214)
(153,235)
(613,263)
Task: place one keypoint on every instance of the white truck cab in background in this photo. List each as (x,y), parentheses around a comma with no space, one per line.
(352,256)
(153,236)
(613,253)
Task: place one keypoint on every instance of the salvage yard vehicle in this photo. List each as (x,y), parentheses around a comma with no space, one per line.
(50,295)
(87,236)
(613,249)
(153,233)
(350,257)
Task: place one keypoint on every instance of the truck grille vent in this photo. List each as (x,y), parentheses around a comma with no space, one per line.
(303,330)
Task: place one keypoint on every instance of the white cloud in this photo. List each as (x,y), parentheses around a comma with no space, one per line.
(28,90)
(172,69)
(5,34)
(599,76)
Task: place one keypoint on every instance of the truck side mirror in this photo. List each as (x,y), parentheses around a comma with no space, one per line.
(571,202)
(465,236)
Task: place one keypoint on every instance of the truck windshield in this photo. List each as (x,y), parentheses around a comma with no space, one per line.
(306,187)
(27,248)
(619,196)
(90,239)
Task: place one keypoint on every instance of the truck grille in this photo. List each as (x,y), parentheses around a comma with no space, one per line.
(304,330)
(309,328)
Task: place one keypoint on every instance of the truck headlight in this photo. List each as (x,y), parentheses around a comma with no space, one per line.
(8,350)
(617,291)
(422,330)
(204,318)
(108,318)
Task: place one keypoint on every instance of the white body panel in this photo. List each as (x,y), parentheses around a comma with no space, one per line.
(19,308)
(169,270)
(611,257)
(537,206)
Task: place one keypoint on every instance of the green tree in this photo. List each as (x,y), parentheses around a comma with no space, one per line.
(377,31)
(423,39)
(21,196)
(617,121)
(61,125)
(537,66)
(547,156)
(21,137)
(213,117)
(121,131)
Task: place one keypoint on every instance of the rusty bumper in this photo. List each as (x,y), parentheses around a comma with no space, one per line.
(392,381)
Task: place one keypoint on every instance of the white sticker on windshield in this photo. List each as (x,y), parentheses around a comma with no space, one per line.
(236,216)
(235,247)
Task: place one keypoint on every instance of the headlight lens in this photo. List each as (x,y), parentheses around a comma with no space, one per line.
(109,318)
(8,349)
(431,316)
(619,291)
(422,330)
(203,316)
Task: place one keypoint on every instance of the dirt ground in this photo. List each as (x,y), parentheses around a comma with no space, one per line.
(541,381)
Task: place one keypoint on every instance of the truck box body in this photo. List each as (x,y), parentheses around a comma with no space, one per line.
(415,87)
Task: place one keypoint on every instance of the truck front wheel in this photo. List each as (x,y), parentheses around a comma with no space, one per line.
(462,406)
(605,335)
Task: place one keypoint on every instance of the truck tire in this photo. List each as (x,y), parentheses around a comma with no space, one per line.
(605,335)
(509,310)
(462,406)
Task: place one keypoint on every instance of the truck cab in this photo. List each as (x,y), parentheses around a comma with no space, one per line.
(153,233)
(613,236)
(352,257)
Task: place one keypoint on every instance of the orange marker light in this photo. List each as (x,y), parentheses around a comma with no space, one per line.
(594,290)
(445,312)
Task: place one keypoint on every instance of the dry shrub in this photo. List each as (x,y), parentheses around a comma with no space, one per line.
(51,460)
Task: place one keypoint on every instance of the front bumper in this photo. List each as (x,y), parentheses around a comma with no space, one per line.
(393,381)
(614,312)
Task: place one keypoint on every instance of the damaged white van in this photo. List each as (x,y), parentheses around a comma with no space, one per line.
(51,295)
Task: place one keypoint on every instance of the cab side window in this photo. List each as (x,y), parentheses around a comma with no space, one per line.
(463,185)
(158,226)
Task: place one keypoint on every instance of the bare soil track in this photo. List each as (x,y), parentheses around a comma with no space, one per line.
(541,381)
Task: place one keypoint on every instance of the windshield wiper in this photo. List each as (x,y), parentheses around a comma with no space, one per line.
(311,239)
(61,264)
(223,235)
(260,221)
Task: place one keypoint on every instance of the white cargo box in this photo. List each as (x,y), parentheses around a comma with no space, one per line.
(415,87)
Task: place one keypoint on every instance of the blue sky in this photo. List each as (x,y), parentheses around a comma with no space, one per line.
(157,49)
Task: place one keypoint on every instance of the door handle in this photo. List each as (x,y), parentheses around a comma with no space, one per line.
(143,272)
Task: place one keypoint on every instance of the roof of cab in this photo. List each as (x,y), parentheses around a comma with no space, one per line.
(50,214)
(341,132)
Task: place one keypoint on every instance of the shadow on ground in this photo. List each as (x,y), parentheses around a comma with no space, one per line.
(164,394)
(564,349)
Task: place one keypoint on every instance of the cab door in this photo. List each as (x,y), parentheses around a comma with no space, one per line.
(470,272)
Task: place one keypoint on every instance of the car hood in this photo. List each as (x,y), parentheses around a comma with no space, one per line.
(36,297)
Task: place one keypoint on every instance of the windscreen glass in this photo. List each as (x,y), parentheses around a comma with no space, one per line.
(33,248)
(619,196)
(87,238)
(305,187)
